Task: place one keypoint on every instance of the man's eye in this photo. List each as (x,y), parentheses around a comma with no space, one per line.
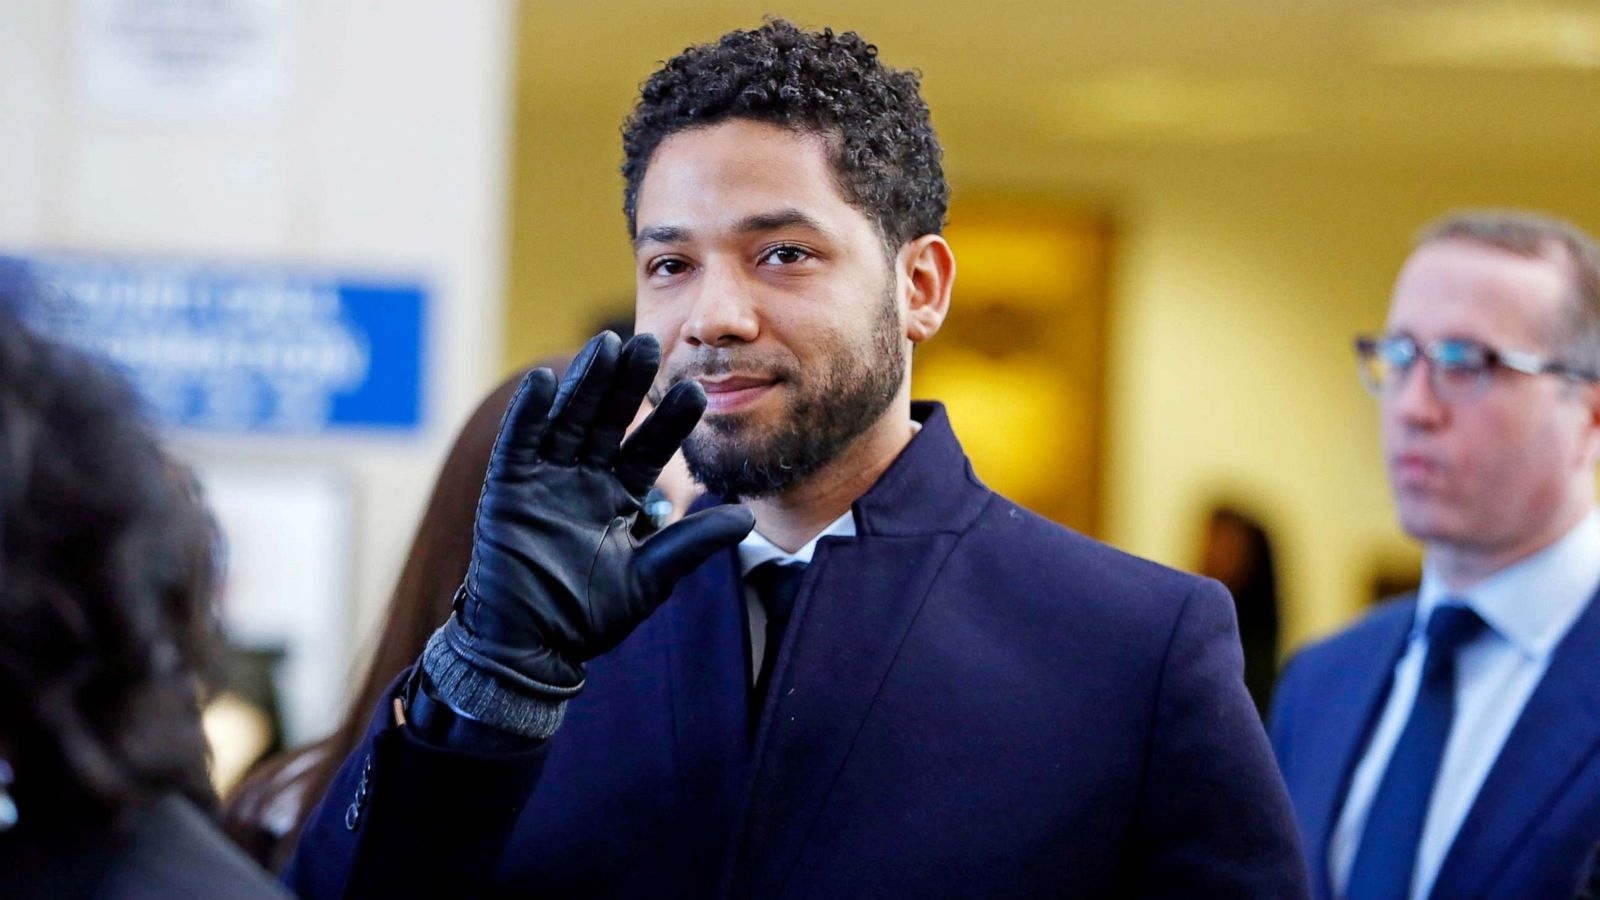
(667,267)
(1462,356)
(1399,356)
(786,255)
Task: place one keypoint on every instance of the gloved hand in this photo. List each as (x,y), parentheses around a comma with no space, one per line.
(557,577)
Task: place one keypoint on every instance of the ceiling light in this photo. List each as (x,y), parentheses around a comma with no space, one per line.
(1488,36)
(1144,103)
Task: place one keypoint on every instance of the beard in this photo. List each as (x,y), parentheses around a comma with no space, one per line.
(734,457)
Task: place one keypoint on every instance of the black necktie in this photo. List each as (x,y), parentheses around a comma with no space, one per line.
(776,584)
(1387,855)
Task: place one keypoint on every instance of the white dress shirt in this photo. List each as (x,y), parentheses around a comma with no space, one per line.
(1528,607)
(754,550)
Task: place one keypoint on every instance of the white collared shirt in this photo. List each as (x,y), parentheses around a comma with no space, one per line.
(754,550)
(1528,607)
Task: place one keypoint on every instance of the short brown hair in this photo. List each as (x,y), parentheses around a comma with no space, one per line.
(1536,236)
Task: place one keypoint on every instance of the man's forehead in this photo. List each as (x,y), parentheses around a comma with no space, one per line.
(723,175)
(1466,289)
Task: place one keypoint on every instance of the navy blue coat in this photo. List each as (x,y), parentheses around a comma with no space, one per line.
(1536,819)
(971,701)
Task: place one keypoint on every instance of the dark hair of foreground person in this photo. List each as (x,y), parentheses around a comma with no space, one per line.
(107,575)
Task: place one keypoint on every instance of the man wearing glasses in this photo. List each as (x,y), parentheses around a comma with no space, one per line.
(1448,744)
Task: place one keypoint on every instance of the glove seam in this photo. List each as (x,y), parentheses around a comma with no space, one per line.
(594,563)
(460,644)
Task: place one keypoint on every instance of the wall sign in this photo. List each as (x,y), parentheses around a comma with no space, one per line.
(182,58)
(224,348)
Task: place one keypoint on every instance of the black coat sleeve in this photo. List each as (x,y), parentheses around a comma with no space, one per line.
(403,818)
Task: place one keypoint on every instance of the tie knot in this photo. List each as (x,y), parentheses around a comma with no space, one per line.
(1451,626)
(778,584)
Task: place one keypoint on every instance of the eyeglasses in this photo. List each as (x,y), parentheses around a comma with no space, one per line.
(1459,371)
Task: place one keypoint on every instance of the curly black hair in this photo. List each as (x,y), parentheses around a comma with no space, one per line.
(107,570)
(886,156)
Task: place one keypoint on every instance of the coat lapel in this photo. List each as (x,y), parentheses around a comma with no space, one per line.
(855,607)
(850,620)
(708,673)
(1354,697)
(1557,734)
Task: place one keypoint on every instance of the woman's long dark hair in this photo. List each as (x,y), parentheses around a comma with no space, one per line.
(106,582)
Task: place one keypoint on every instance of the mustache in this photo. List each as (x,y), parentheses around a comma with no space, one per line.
(716,361)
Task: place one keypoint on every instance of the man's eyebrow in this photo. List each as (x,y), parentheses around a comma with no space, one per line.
(752,224)
(784,218)
(660,234)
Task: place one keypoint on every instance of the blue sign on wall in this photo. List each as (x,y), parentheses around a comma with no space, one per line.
(237,349)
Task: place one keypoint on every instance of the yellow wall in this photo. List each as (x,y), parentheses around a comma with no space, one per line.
(1238,281)
(570,264)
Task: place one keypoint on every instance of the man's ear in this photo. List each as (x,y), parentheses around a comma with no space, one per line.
(929,268)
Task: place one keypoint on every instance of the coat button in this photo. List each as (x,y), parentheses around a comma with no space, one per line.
(352,814)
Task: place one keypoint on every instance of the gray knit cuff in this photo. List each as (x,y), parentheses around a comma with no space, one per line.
(480,696)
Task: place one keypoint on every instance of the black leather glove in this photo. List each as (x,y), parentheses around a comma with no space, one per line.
(557,577)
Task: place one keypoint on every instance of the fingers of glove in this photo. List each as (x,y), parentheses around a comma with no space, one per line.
(680,548)
(525,419)
(579,398)
(636,369)
(652,444)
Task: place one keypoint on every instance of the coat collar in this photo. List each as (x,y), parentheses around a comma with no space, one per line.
(921,493)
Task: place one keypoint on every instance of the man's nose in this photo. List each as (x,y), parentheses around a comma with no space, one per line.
(724,310)
(1413,400)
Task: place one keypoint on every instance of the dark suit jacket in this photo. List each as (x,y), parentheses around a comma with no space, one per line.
(1537,816)
(970,701)
(164,850)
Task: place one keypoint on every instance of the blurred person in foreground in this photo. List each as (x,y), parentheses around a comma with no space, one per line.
(1445,745)
(265,813)
(899,684)
(106,584)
